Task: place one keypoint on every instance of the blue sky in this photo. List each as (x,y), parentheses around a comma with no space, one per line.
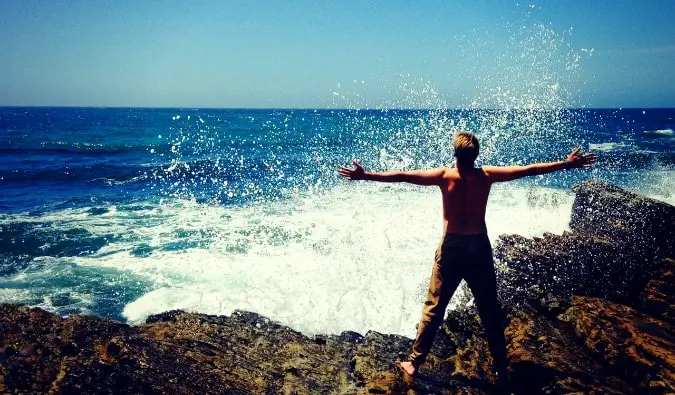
(337,53)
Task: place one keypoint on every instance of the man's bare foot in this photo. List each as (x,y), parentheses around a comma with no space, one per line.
(407,367)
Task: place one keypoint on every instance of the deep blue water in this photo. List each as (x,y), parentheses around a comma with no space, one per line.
(75,156)
(100,207)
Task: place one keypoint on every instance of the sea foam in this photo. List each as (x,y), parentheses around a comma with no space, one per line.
(357,257)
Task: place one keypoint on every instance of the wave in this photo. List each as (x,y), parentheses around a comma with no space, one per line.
(71,173)
(66,148)
(604,147)
(659,133)
(358,253)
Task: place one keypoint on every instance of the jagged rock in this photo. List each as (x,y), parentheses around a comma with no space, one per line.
(41,352)
(545,358)
(589,311)
(658,297)
(642,223)
(638,347)
(257,354)
(616,245)
(572,263)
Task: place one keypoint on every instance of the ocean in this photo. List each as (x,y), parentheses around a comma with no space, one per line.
(127,212)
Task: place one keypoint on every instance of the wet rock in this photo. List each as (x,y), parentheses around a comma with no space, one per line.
(658,296)
(546,358)
(644,224)
(638,347)
(572,263)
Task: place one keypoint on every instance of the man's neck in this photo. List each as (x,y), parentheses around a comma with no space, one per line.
(463,167)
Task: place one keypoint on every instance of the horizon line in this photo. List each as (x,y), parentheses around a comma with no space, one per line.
(336,109)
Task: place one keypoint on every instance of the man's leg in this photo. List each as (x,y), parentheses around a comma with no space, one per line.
(482,280)
(445,278)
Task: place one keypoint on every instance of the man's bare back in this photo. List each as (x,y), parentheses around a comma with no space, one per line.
(465,194)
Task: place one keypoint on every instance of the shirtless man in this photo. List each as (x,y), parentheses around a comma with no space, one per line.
(464,251)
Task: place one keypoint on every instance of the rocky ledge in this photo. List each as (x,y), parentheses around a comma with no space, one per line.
(589,311)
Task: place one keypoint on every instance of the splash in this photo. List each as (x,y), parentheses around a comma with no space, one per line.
(520,81)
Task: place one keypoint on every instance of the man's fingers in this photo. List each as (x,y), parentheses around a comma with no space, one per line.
(351,173)
(576,151)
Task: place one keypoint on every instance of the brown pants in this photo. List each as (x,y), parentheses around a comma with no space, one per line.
(458,257)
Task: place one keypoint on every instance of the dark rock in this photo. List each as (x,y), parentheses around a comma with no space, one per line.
(352,337)
(608,211)
(616,245)
(546,358)
(635,346)
(658,297)
(578,263)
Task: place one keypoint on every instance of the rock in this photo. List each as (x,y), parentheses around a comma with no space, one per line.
(546,358)
(561,265)
(658,296)
(91,355)
(637,221)
(257,354)
(618,239)
(639,347)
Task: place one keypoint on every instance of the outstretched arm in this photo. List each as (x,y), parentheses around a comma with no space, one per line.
(575,160)
(417,177)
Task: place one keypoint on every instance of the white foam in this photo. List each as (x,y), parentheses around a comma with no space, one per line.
(659,185)
(660,132)
(357,257)
(12,295)
(43,297)
(604,147)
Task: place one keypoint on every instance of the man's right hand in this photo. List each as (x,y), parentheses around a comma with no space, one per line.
(576,160)
(352,173)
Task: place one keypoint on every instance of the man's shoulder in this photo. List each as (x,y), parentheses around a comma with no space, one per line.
(449,172)
(491,169)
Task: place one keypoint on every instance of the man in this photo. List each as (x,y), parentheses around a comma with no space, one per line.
(464,251)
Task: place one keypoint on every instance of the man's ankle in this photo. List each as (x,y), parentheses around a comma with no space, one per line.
(408,366)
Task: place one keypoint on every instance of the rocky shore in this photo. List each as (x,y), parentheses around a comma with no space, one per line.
(591,311)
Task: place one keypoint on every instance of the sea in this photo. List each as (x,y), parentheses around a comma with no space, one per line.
(127,212)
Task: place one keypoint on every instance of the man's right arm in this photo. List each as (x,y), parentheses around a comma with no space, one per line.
(508,173)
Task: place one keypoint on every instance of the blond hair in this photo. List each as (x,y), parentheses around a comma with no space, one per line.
(466,148)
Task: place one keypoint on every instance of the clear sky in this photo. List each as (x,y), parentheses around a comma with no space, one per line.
(296,53)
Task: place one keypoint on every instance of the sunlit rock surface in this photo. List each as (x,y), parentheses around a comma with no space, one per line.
(589,311)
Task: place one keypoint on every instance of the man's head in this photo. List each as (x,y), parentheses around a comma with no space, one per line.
(466,148)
